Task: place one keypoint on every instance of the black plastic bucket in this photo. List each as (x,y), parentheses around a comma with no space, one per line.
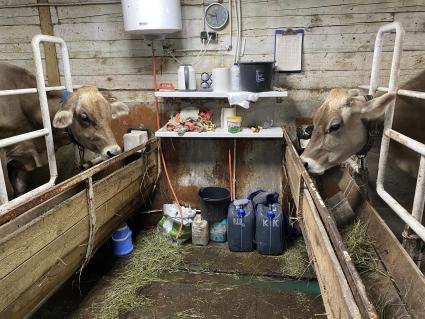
(214,203)
(256,76)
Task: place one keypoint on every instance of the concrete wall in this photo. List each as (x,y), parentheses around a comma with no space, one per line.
(338,48)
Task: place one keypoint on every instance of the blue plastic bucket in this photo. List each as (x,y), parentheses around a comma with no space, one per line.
(121,232)
(122,243)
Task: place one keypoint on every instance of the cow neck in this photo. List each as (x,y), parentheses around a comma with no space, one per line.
(68,131)
(372,132)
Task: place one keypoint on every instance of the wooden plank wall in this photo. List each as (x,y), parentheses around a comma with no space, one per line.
(338,48)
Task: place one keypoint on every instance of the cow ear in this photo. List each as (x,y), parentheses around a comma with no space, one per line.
(62,119)
(119,109)
(377,106)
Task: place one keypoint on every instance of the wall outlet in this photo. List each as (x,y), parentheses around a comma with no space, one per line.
(212,35)
(204,36)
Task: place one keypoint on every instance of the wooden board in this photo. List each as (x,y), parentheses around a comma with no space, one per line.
(337,297)
(49,48)
(44,245)
(408,278)
(338,44)
(336,293)
(19,246)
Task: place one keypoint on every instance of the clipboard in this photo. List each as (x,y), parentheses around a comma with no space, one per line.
(288,47)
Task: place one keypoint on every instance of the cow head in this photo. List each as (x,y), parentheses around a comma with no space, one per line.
(88,115)
(340,128)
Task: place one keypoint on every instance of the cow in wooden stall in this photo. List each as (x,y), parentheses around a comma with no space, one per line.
(342,124)
(84,118)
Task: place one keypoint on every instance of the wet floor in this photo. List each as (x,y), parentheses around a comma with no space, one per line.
(201,295)
(212,282)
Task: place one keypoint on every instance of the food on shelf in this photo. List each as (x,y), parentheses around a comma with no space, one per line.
(191,119)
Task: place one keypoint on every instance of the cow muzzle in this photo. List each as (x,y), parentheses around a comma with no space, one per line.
(111,151)
(312,166)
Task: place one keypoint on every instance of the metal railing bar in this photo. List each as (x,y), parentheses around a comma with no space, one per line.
(415,94)
(419,199)
(23,137)
(416,226)
(414,219)
(414,145)
(34,90)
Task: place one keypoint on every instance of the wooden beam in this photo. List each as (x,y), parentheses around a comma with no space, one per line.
(50,54)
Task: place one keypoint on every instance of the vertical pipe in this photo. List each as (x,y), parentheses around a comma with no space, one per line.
(230,24)
(3,189)
(234,168)
(41,87)
(66,67)
(419,201)
(392,87)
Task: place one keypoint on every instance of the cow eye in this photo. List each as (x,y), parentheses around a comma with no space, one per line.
(334,127)
(84,117)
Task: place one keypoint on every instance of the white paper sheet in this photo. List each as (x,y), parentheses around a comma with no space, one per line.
(288,51)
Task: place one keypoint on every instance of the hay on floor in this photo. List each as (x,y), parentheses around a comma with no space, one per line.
(153,254)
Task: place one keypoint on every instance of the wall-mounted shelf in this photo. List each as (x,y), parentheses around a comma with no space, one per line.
(274,132)
(203,94)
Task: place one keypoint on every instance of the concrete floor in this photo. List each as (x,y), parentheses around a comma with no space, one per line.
(212,283)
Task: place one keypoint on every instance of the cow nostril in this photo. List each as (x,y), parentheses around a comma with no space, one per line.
(305,164)
(110,154)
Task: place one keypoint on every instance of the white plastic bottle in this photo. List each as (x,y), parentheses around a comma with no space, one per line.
(235,76)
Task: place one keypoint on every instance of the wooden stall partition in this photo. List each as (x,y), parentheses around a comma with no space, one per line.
(40,256)
(407,277)
(336,293)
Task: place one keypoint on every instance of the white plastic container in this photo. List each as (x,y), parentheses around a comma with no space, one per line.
(221,80)
(153,17)
(235,78)
(225,113)
(200,231)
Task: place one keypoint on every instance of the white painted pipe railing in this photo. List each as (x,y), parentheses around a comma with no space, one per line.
(415,94)
(47,128)
(412,220)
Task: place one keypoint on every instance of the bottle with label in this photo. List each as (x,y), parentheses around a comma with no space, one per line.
(269,232)
(241,225)
(235,76)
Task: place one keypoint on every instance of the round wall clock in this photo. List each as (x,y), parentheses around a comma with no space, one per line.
(216,16)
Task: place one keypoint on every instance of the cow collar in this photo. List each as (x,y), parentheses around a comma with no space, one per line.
(372,132)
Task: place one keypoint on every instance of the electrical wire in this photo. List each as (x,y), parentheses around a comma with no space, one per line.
(201,53)
(164,164)
(231,176)
(197,58)
(236,56)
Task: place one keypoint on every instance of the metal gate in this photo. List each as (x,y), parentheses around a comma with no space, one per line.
(414,219)
(46,131)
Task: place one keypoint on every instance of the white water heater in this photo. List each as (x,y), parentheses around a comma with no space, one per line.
(152,17)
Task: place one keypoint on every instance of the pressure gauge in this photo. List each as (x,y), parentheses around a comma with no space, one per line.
(216,16)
